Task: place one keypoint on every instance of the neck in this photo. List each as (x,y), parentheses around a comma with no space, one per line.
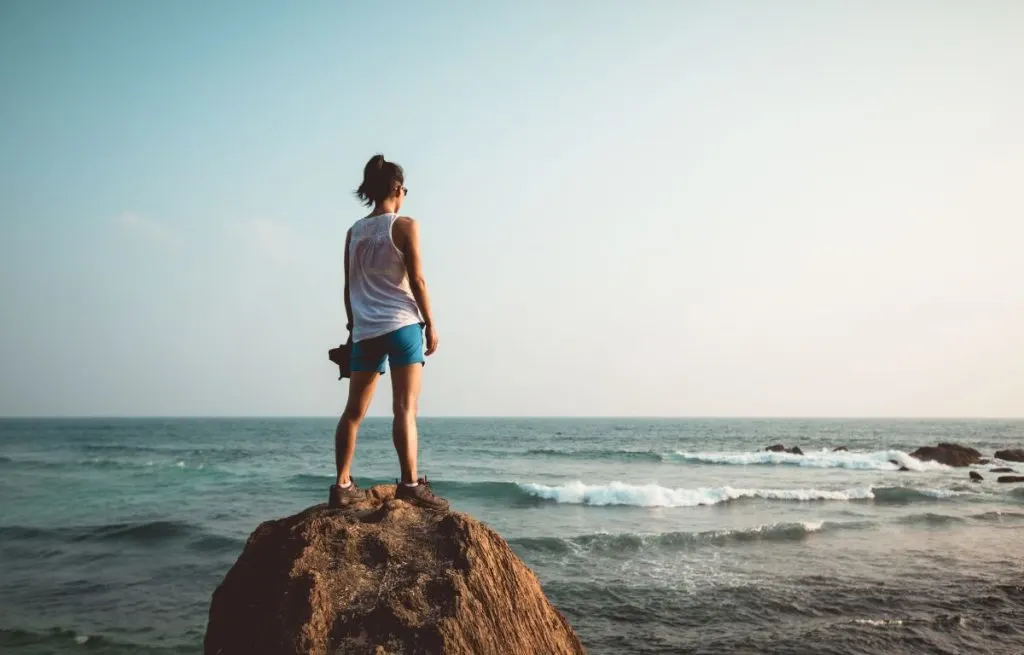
(386,206)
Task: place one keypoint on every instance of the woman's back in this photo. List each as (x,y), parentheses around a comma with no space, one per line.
(379,290)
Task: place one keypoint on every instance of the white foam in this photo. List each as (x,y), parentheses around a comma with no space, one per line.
(652,495)
(881,460)
(879,622)
(81,639)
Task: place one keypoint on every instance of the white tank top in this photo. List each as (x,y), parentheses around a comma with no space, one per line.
(378,282)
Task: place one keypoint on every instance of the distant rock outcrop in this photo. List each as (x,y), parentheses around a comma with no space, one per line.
(1010,478)
(779,448)
(1012,455)
(382,577)
(948,454)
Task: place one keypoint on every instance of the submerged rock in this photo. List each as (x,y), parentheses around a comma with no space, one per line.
(779,448)
(1001,469)
(382,577)
(840,449)
(1010,478)
(1012,455)
(976,477)
(948,454)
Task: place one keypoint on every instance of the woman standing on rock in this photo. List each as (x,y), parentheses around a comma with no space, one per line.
(388,311)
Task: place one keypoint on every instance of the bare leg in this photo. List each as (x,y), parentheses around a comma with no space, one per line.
(405,386)
(360,393)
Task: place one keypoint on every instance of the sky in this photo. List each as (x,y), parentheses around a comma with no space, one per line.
(627,208)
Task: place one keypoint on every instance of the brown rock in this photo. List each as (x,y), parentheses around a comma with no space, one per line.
(379,577)
(948,454)
(840,449)
(1012,455)
(904,468)
(1010,478)
(779,448)
(984,461)
(1001,469)
(976,477)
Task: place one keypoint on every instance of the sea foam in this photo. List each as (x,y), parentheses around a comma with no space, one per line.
(881,460)
(652,495)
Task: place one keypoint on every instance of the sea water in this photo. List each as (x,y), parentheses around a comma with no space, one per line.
(651,536)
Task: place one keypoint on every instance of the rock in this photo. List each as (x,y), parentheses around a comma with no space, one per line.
(976,477)
(779,448)
(795,450)
(1001,469)
(1010,478)
(903,468)
(984,461)
(1014,455)
(948,454)
(840,449)
(894,462)
(381,577)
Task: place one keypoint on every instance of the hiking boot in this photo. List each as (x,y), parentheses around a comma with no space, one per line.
(342,497)
(421,495)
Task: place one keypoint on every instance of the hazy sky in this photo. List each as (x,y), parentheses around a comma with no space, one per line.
(628,208)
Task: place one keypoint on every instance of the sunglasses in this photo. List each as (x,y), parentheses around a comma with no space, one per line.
(405,190)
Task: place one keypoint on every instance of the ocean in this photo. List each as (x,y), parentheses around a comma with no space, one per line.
(651,536)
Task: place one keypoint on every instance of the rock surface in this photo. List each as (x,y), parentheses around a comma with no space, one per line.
(948,454)
(382,577)
(840,449)
(1010,478)
(1012,455)
(1001,469)
(976,477)
(779,448)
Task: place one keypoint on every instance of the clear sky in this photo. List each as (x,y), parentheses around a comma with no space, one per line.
(628,208)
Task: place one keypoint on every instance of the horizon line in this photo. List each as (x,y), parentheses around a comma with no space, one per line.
(682,417)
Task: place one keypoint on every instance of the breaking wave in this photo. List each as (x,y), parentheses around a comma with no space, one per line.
(881,460)
(603,543)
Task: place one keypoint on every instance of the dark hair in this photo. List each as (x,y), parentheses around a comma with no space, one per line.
(379,178)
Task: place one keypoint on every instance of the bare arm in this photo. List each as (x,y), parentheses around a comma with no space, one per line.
(348,299)
(407,239)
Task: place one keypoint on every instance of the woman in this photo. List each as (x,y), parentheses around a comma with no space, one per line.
(388,311)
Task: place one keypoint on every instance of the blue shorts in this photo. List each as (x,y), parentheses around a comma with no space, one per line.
(403,347)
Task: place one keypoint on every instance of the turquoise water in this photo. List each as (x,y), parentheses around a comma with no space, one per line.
(652,536)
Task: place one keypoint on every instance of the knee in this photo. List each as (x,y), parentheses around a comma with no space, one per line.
(353,413)
(405,407)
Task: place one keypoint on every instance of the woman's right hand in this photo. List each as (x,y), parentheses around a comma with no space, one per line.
(431,340)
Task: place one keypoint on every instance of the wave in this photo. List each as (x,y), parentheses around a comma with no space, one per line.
(113,464)
(602,543)
(906,495)
(931,519)
(652,495)
(646,495)
(142,532)
(64,640)
(628,455)
(999,516)
(881,460)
